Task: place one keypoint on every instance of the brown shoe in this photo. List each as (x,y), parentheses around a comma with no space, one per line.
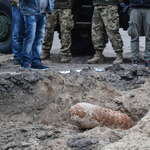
(119,58)
(98,57)
(45,55)
(64,59)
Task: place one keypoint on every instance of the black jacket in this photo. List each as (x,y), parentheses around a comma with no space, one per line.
(139,3)
(62,4)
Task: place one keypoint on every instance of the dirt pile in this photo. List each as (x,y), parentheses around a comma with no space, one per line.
(138,137)
(127,77)
(19,135)
(35,105)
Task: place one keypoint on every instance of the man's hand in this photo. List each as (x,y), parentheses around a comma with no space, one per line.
(18,5)
(120,1)
(48,12)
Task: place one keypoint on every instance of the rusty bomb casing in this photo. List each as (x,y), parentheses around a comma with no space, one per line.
(85,116)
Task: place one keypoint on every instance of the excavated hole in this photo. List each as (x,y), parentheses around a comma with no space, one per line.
(45,97)
(31,92)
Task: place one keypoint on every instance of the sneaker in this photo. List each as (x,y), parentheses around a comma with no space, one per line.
(134,62)
(38,66)
(147,63)
(17,61)
(25,66)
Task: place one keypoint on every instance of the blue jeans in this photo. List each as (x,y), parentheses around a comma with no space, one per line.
(34,35)
(17,30)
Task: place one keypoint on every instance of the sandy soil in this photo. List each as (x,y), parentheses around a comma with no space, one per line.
(34,104)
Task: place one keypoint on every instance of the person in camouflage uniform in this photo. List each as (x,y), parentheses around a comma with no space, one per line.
(17,30)
(62,15)
(106,20)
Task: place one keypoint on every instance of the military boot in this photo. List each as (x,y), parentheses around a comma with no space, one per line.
(45,55)
(98,57)
(64,59)
(119,58)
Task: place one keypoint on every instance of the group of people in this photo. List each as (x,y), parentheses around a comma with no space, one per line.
(32,15)
(39,18)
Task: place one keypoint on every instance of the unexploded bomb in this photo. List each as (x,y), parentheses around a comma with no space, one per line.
(85,115)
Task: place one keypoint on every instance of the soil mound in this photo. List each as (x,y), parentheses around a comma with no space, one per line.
(35,105)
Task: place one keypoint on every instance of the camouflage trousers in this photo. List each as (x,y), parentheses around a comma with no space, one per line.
(65,20)
(106,20)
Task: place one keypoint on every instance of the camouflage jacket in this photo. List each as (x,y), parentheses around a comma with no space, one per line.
(105,2)
(14,2)
(63,4)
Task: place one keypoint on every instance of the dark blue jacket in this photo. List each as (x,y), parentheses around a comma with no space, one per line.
(139,3)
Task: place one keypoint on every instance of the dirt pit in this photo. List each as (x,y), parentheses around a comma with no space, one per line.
(34,108)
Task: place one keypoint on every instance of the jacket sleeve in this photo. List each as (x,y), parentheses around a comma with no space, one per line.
(70,3)
(50,6)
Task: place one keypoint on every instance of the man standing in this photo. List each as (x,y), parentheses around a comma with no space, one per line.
(62,15)
(106,20)
(17,30)
(34,14)
(139,20)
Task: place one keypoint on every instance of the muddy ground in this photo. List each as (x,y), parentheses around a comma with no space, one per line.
(34,104)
